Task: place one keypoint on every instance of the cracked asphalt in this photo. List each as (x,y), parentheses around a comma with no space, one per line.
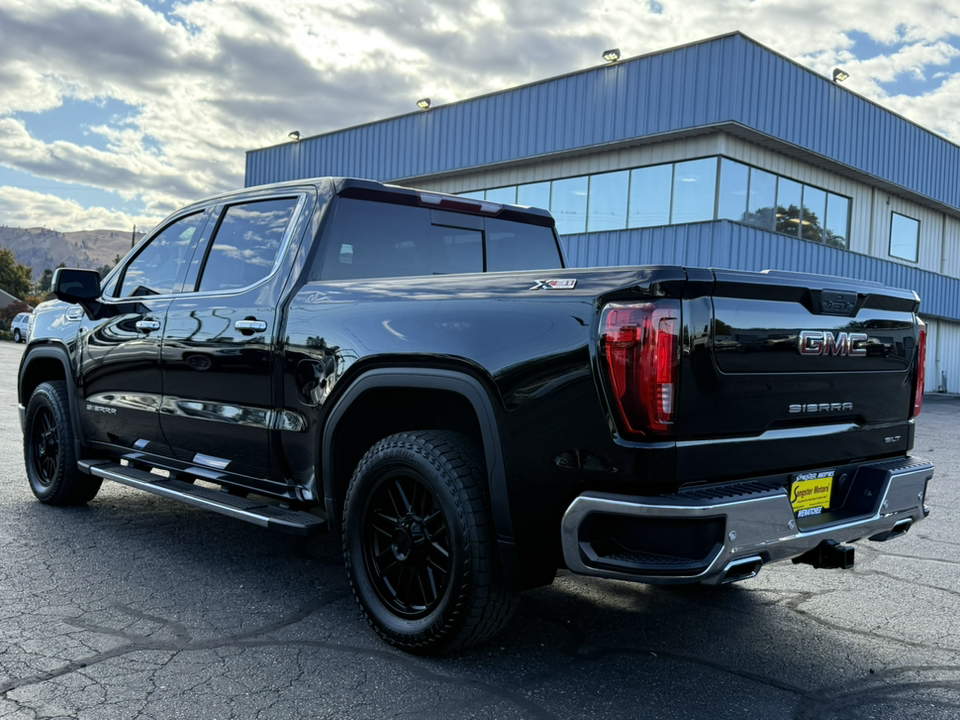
(139,607)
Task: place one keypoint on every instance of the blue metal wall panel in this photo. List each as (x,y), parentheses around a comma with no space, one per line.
(726,244)
(727,79)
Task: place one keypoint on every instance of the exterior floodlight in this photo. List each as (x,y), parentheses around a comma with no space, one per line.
(611,55)
(424,104)
(295,136)
(839,75)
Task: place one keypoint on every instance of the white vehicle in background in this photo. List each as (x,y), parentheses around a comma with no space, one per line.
(20,327)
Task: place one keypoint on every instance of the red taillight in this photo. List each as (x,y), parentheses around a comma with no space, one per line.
(641,346)
(921,367)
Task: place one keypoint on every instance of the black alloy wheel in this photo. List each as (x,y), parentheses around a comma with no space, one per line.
(407,550)
(49,451)
(419,544)
(46,447)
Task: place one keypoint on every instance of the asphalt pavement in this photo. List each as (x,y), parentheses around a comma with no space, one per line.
(140,607)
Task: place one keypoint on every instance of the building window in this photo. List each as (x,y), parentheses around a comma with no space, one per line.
(732,198)
(686,192)
(607,207)
(762,200)
(650,196)
(904,237)
(568,205)
(838,221)
(694,191)
(503,195)
(534,194)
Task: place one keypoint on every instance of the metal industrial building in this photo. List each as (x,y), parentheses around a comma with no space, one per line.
(721,153)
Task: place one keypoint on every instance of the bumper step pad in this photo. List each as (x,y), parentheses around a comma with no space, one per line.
(257,511)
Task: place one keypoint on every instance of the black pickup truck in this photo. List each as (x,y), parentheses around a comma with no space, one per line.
(421,374)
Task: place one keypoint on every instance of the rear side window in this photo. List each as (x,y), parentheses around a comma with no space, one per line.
(515,246)
(247,243)
(372,240)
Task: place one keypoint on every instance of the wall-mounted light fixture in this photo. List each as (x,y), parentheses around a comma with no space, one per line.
(839,75)
(611,55)
(295,136)
(423,103)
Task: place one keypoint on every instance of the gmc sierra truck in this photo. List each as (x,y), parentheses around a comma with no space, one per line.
(422,375)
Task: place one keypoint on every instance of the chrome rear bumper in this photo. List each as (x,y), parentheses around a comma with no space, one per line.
(736,535)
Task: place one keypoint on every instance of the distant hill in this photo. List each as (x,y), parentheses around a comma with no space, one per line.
(40,248)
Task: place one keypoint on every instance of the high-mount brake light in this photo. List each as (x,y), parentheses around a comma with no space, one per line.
(470,205)
(640,347)
(921,368)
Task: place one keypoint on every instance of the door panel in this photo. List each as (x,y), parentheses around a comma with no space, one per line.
(120,374)
(220,344)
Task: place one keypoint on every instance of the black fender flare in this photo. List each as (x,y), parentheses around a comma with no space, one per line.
(472,390)
(60,354)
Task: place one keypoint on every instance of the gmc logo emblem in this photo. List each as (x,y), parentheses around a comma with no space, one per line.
(824,342)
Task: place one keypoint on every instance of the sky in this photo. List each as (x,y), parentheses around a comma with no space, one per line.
(114,113)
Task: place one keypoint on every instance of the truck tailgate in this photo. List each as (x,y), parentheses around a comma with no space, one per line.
(796,371)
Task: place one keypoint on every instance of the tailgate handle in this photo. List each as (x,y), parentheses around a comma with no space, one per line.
(838,302)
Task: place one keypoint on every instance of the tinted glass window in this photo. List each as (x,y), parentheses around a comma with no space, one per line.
(371,240)
(694,190)
(761,208)
(838,218)
(246,245)
(789,199)
(156,268)
(904,237)
(608,201)
(733,190)
(517,246)
(650,196)
(568,205)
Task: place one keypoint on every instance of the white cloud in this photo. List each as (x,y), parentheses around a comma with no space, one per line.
(23,208)
(211,79)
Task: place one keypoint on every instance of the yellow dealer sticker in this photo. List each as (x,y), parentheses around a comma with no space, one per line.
(810,492)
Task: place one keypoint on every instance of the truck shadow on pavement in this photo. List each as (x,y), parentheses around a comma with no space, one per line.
(157,594)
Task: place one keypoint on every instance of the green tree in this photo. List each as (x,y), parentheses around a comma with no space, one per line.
(43,284)
(16,278)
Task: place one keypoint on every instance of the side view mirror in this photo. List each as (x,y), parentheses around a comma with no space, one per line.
(76,286)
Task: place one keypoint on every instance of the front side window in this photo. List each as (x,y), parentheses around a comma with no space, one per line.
(247,243)
(155,269)
(904,237)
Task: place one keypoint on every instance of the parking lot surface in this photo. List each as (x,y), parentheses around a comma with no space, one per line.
(140,607)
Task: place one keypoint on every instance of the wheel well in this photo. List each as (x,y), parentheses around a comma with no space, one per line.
(40,370)
(381,412)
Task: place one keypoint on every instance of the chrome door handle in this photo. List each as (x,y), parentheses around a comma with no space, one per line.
(250,325)
(147,325)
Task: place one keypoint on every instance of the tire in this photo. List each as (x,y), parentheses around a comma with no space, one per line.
(428,582)
(48,449)
(16,335)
